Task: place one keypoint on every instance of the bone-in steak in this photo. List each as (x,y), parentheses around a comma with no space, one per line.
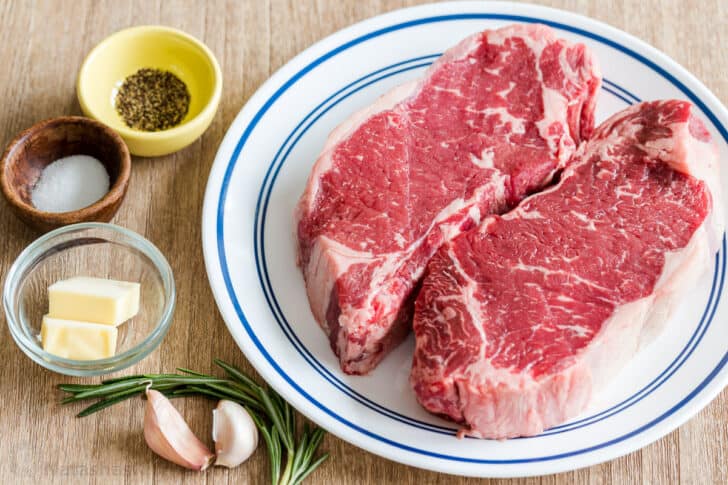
(490,122)
(519,321)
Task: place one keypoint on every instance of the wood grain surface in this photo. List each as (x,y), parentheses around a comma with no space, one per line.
(42,45)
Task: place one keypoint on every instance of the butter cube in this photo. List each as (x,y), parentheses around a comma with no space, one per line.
(78,340)
(95,300)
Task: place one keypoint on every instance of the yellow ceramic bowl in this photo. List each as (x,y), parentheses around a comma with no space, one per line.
(127,51)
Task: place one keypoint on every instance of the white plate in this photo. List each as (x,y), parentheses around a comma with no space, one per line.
(260,172)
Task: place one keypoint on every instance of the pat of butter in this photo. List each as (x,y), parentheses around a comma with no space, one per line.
(78,340)
(95,300)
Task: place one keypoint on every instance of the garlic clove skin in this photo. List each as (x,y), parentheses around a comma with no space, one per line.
(168,435)
(234,433)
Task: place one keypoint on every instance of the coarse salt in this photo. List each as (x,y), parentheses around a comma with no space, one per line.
(70,183)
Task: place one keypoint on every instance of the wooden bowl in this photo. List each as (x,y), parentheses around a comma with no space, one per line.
(41,144)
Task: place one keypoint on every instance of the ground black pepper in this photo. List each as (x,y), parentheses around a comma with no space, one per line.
(152,100)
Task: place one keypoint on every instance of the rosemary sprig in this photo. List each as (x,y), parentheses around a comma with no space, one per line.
(274,417)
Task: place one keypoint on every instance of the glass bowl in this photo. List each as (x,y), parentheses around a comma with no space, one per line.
(98,250)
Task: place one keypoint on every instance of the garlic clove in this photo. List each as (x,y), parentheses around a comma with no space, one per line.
(168,435)
(234,433)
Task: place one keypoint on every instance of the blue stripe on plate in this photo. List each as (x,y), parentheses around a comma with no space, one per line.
(616,93)
(256,119)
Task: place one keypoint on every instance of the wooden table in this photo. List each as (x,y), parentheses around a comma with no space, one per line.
(42,45)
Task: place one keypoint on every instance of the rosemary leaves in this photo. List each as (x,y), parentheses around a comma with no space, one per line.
(152,100)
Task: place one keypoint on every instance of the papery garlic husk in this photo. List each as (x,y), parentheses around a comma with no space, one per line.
(168,435)
(234,433)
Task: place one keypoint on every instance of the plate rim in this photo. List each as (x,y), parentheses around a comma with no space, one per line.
(226,156)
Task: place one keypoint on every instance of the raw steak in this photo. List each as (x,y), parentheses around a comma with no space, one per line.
(520,321)
(490,122)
